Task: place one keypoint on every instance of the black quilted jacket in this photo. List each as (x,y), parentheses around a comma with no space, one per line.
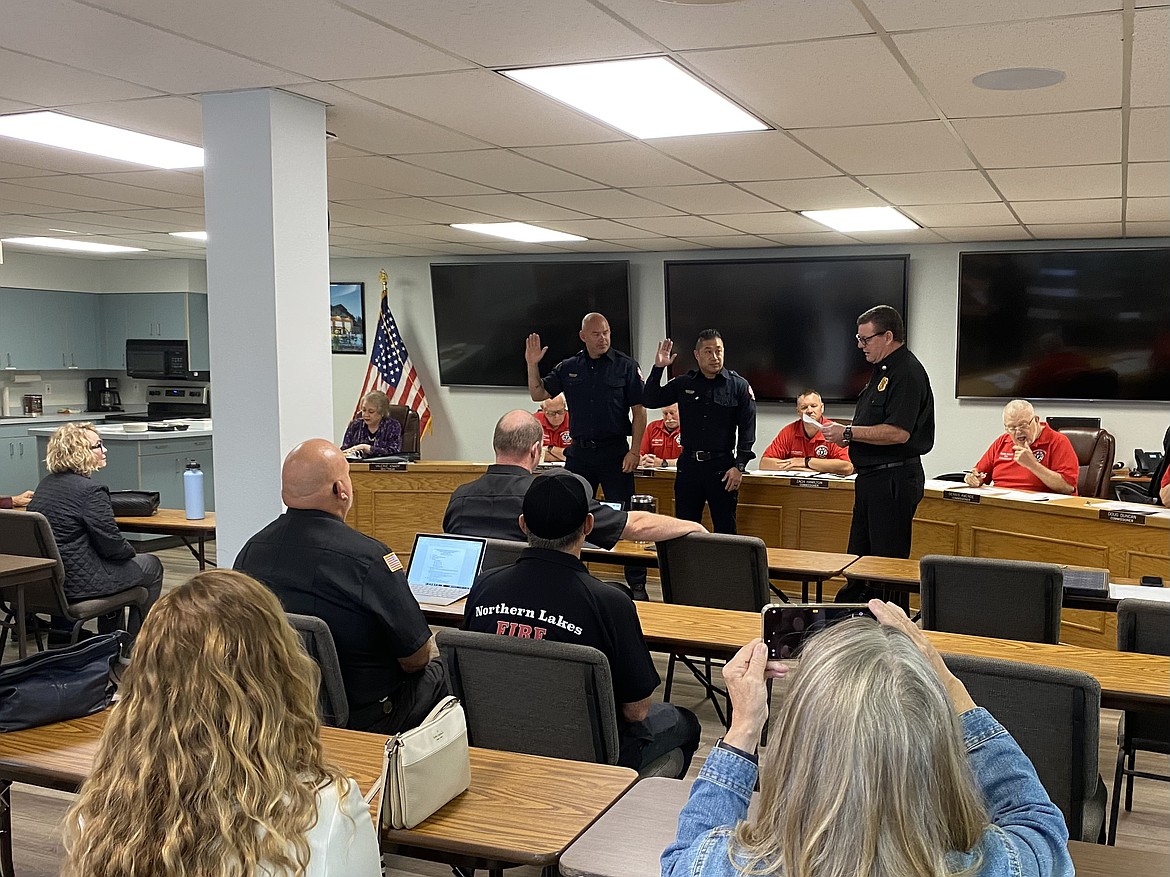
(95,554)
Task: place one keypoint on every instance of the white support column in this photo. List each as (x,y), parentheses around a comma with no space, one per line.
(266,207)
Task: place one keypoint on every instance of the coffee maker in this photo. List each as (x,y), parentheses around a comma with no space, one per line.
(101,394)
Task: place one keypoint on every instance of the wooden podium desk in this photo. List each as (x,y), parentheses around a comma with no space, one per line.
(393,506)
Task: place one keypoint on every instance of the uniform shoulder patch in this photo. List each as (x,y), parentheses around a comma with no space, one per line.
(392,562)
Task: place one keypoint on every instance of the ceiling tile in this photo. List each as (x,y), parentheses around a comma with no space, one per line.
(1147,210)
(984,233)
(1148,179)
(44,83)
(133,220)
(186,182)
(731,242)
(517,207)
(1039,141)
(1086,48)
(1059,183)
(619,164)
(421,209)
(938,187)
(680,226)
(814,239)
(754,155)
(899,236)
(348,190)
(16,171)
(607,204)
(502,169)
(360,216)
(993,213)
(916,14)
(1149,134)
(599,229)
(14,106)
(742,23)
(780,222)
(169,220)
(1147,229)
(1151,62)
(596,247)
(114,191)
(513,33)
(178,118)
(654,244)
(93,39)
(393,175)
(487,106)
(848,81)
(59,201)
(1068,212)
(909,147)
(1075,231)
(711,198)
(831,193)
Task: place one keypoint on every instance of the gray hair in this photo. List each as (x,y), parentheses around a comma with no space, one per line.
(1020,408)
(516,432)
(562,544)
(377,400)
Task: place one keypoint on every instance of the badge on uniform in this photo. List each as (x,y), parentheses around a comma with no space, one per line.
(392,561)
(883,383)
(572,374)
(692,392)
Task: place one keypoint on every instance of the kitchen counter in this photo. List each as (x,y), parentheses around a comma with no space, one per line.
(114,432)
(95,416)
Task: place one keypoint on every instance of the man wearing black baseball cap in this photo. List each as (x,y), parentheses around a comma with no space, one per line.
(549,594)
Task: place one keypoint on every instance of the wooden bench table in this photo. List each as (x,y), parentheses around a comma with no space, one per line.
(16,571)
(173,522)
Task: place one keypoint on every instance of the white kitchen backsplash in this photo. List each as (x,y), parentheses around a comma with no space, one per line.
(65,388)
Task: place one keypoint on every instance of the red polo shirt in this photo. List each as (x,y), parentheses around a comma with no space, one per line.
(554,438)
(1165,478)
(662,444)
(1053,450)
(791,442)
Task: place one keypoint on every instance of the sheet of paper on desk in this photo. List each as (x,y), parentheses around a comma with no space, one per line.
(1139,592)
(1030,495)
(1135,507)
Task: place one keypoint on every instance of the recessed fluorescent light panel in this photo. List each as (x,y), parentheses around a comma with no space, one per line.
(645,97)
(66,132)
(518,231)
(189,235)
(862,219)
(71,244)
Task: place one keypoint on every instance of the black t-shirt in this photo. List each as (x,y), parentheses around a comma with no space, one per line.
(898,393)
(550,595)
(491,505)
(600,393)
(316,565)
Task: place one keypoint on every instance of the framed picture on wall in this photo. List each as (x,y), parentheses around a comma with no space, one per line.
(347,317)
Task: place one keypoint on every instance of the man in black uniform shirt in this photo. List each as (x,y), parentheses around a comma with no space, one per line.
(548,594)
(491,505)
(316,565)
(714,406)
(603,387)
(891,430)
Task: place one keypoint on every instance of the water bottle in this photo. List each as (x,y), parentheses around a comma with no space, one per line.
(193,491)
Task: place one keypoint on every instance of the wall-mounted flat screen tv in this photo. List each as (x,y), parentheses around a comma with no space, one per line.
(1064,324)
(787,324)
(485,311)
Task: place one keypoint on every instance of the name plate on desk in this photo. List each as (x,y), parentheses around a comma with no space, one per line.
(961,496)
(388,467)
(809,482)
(1122,517)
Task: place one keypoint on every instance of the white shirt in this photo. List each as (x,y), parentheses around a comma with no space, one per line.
(342,843)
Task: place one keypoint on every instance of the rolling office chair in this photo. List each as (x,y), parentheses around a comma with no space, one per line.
(1095,449)
(408,419)
(317,640)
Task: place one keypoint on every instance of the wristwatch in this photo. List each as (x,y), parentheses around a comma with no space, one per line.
(848,436)
(806,465)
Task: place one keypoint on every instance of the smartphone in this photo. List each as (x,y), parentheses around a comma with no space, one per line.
(788,625)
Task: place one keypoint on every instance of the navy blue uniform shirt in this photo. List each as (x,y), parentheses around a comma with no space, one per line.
(711,411)
(600,393)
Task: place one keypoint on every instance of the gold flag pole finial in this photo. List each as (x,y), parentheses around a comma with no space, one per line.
(385,281)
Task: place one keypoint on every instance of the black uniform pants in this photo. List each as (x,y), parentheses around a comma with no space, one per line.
(884,502)
(698,483)
(602,466)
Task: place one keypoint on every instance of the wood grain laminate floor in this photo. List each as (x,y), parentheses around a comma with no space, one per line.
(38,813)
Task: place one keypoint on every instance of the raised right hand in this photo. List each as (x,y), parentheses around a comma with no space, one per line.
(663,356)
(533,352)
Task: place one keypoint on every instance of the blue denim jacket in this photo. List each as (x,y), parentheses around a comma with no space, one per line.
(1027,836)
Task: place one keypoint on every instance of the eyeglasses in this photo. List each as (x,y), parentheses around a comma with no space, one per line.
(864,340)
(100,446)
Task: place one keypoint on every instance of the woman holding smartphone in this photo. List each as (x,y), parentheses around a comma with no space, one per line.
(880,765)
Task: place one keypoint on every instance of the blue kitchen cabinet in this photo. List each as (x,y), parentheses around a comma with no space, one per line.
(18,460)
(199,347)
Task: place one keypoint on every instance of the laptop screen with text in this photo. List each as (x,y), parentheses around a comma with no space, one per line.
(450,561)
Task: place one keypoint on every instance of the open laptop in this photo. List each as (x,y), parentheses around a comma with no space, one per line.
(443,568)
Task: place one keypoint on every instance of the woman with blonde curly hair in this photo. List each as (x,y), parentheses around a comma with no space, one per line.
(880,765)
(97,558)
(211,765)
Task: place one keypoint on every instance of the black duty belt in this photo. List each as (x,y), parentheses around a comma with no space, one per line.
(591,444)
(865,470)
(704,456)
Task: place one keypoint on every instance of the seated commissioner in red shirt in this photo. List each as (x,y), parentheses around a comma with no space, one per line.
(800,445)
(1030,455)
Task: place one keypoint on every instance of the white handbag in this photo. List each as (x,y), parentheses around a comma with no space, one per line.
(426,767)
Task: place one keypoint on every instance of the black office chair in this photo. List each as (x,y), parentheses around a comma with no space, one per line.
(317,640)
(501,552)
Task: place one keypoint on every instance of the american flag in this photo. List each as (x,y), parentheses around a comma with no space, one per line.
(391,370)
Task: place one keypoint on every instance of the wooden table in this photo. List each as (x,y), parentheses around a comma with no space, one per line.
(896,574)
(789,564)
(629,839)
(520,809)
(173,522)
(16,571)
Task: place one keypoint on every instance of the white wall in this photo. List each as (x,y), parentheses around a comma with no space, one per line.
(464,417)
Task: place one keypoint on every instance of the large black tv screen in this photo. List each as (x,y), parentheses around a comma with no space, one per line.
(485,311)
(1061,324)
(787,324)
